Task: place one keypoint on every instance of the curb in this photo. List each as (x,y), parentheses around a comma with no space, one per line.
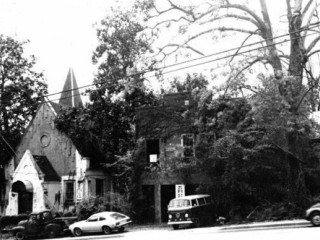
(283,224)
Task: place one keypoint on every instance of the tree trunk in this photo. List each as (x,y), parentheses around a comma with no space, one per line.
(297,50)
(268,36)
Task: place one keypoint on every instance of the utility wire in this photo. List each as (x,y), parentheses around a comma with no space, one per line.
(314,25)
(198,64)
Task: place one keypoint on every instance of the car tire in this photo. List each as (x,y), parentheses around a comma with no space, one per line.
(106,230)
(77,232)
(175,226)
(19,235)
(51,233)
(197,223)
(315,219)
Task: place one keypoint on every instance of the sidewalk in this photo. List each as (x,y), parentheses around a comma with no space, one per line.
(282,224)
(258,225)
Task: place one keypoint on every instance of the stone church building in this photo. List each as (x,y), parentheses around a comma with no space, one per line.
(47,170)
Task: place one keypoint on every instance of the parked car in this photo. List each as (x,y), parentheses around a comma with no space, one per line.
(313,214)
(40,224)
(190,210)
(104,222)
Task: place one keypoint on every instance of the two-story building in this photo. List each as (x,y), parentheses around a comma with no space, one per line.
(169,134)
(47,170)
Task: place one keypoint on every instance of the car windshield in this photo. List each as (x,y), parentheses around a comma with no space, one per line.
(179,203)
(117,216)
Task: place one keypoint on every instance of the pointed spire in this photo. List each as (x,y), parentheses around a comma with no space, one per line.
(70,96)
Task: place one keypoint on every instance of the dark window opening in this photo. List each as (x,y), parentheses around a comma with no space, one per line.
(99,187)
(69,192)
(153,150)
(187,144)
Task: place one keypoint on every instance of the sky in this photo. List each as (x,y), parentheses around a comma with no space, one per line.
(61,34)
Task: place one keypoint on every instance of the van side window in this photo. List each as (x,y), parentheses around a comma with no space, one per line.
(194,202)
(208,200)
(201,201)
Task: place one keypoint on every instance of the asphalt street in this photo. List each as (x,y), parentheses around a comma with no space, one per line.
(280,232)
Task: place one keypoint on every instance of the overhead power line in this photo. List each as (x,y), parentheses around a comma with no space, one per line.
(313,25)
(190,66)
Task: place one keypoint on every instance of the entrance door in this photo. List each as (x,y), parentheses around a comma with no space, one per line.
(25,196)
(25,202)
(167,193)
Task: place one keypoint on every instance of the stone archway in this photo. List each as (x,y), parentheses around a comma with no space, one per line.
(25,195)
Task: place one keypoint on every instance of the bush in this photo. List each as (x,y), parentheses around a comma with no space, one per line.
(112,201)
(12,220)
(277,211)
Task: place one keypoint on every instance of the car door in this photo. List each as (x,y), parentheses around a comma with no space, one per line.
(91,225)
(33,225)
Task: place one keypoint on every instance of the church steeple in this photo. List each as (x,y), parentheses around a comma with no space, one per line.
(70,96)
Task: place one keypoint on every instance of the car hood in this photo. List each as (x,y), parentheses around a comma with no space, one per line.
(77,223)
(317,205)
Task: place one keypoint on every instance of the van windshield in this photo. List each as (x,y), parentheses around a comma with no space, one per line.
(176,203)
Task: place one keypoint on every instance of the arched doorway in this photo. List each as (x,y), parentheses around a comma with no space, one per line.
(25,195)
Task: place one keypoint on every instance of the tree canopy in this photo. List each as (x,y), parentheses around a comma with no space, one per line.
(21,91)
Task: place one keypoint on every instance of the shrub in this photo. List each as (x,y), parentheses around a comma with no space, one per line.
(12,220)
(94,204)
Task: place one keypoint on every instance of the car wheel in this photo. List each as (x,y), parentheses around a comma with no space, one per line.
(19,235)
(315,219)
(197,223)
(106,230)
(121,229)
(175,226)
(51,233)
(77,232)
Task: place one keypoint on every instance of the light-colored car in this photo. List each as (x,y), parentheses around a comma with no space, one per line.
(104,222)
(313,214)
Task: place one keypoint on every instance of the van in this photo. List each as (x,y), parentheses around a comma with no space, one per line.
(193,210)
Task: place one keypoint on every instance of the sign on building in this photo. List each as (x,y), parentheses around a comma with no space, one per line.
(180,190)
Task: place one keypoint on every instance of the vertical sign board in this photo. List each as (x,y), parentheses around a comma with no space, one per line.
(180,190)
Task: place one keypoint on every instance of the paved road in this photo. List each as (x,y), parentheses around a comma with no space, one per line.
(298,233)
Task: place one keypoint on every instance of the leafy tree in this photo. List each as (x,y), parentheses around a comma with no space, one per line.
(107,123)
(21,91)
(192,82)
(286,63)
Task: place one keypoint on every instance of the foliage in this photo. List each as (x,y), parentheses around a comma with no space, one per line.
(100,130)
(112,201)
(192,82)
(12,220)
(21,91)
(243,146)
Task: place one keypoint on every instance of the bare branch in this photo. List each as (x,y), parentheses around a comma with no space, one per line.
(312,44)
(236,53)
(247,10)
(306,8)
(289,12)
(307,24)
(182,10)
(312,53)
(170,20)
(251,63)
(236,16)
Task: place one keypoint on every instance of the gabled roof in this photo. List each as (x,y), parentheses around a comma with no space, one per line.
(45,166)
(56,107)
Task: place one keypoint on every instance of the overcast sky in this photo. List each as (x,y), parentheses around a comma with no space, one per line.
(61,34)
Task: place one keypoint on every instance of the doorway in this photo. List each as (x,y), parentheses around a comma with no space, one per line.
(25,196)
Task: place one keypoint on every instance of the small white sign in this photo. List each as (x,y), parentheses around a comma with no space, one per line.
(180,190)
(153,158)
